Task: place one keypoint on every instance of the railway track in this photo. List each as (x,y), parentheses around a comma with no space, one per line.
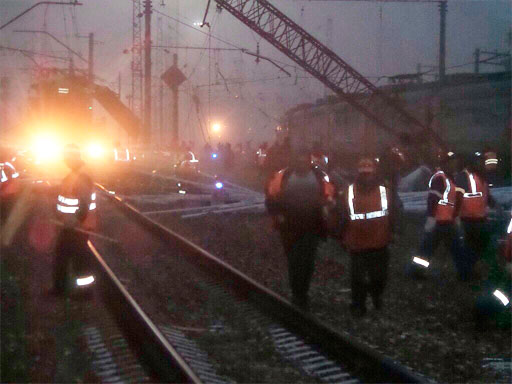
(188,198)
(211,323)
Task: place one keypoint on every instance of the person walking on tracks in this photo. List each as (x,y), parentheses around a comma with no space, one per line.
(298,198)
(76,210)
(442,223)
(474,208)
(367,214)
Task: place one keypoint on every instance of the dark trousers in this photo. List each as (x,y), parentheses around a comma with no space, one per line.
(300,251)
(450,236)
(476,240)
(71,251)
(368,274)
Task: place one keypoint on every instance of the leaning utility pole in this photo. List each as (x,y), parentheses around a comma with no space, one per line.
(175,108)
(147,73)
(91,58)
(136,98)
(442,41)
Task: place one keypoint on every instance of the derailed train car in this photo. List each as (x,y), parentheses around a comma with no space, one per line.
(469,112)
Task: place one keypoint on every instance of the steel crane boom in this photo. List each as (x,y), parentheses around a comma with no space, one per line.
(325,65)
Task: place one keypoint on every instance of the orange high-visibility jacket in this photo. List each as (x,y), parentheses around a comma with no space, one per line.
(474,201)
(9,184)
(445,209)
(275,184)
(77,198)
(369,226)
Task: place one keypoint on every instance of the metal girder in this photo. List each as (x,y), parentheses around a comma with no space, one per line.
(325,65)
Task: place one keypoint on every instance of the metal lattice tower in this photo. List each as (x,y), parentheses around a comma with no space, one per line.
(326,66)
(137,48)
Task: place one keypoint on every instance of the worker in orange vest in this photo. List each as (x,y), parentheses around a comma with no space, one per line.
(474,207)
(298,198)
(493,303)
(9,184)
(442,223)
(76,210)
(491,163)
(368,212)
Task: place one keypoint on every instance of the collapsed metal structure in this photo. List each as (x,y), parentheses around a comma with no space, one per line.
(325,65)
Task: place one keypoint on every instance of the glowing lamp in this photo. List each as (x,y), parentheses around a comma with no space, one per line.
(219,185)
(95,151)
(45,148)
(216,127)
(214,155)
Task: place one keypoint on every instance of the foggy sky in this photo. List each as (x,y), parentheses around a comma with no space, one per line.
(405,35)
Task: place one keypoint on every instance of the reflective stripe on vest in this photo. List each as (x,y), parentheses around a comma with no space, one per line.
(472,184)
(509,229)
(368,215)
(118,158)
(14,173)
(491,161)
(474,201)
(4,177)
(444,200)
(504,299)
(71,205)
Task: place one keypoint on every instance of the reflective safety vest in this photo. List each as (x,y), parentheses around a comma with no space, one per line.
(445,210)
(474,201)
(121,155)
(8,185)
(275,185)
(369,226)
(68,204)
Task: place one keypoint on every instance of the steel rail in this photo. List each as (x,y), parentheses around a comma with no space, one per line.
(158,354)
(335,344)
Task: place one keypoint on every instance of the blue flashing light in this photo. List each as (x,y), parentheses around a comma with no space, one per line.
(219,185)
(214,155)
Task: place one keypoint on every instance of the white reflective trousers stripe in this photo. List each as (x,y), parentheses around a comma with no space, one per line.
(67,201)
(65,209)
(420,261)
(368,215)
(85,280)
(501,297)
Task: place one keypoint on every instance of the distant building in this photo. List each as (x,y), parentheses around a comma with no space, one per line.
(468,112)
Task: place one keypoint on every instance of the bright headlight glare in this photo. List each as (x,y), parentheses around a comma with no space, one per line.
(46,148)
(95,150)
